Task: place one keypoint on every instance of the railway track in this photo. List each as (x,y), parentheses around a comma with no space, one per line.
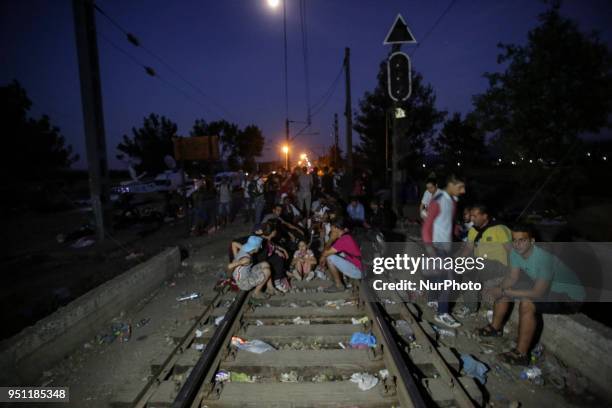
(312,363)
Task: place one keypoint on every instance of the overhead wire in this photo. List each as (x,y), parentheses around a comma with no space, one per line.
(317,107)
(433,27)
(150,71)
(136,42)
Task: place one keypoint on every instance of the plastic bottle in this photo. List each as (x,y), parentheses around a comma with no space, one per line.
(191,296)
(533,374)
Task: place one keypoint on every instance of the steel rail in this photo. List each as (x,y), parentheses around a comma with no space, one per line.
(149,389)
(211,355)
(410,395)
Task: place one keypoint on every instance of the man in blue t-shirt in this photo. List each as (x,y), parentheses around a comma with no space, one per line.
(541,283)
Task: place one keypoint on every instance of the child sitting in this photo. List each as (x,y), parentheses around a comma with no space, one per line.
(303,262)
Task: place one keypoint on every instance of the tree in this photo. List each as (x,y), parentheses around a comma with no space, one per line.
(460,141)
(554,88)
(417,127)
(250,143)
(150,143)
(34,148)
(239,147)
(332,158)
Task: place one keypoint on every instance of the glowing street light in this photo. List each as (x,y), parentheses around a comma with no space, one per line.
(285,149)
(273,3)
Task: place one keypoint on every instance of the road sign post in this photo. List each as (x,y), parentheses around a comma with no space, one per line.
(399,81)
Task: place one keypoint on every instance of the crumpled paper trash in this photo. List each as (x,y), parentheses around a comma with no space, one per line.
(361,320)
(299,320)
(291,376)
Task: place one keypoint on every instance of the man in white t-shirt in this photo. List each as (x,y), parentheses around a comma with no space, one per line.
(431,188)
(304,191)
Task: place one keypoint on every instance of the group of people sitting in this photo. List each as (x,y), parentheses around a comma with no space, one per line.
(308,233)
(516,270)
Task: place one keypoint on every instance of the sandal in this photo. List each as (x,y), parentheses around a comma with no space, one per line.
(334,289)
(514,357)
(489,331)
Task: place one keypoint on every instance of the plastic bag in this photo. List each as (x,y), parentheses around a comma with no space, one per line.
(474,368)
(253,346)
(362,340)
(365,381)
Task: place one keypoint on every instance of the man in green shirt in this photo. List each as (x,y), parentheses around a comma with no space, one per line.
(541,283)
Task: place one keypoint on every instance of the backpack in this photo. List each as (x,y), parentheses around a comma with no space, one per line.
(252,189)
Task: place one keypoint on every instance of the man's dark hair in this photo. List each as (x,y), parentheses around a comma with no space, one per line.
(277,206)
(482,208)
(339,223)
(522,227)
(454,178)
(431,181)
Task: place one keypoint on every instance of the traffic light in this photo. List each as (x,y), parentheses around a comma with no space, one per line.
(399,76)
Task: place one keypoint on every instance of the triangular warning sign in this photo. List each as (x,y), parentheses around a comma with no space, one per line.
(399,33)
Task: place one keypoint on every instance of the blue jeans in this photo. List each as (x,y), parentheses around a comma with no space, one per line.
(344,266)
(259,203)
(442,296)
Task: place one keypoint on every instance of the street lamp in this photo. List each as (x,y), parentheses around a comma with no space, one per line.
(273,3)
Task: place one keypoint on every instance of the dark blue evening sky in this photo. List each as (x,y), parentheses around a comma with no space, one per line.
(233,51)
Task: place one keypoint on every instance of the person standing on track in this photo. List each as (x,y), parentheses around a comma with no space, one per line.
(437,233)
(305,191)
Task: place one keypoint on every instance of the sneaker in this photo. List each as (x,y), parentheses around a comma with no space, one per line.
(463,312)
(280,286)
(310,276)
(433,304)
(447,320)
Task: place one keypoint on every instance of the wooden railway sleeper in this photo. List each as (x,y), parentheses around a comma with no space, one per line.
(230,353)
(212,391)
(375,353)
(389,387)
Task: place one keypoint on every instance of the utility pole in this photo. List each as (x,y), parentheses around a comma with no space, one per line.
(336,158)
(396,177)
(287,144)
(93,118)
(286,86)
(348,184)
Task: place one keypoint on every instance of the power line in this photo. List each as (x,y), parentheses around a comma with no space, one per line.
(317,107)
(136,42)
(150,71)
(433,27)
